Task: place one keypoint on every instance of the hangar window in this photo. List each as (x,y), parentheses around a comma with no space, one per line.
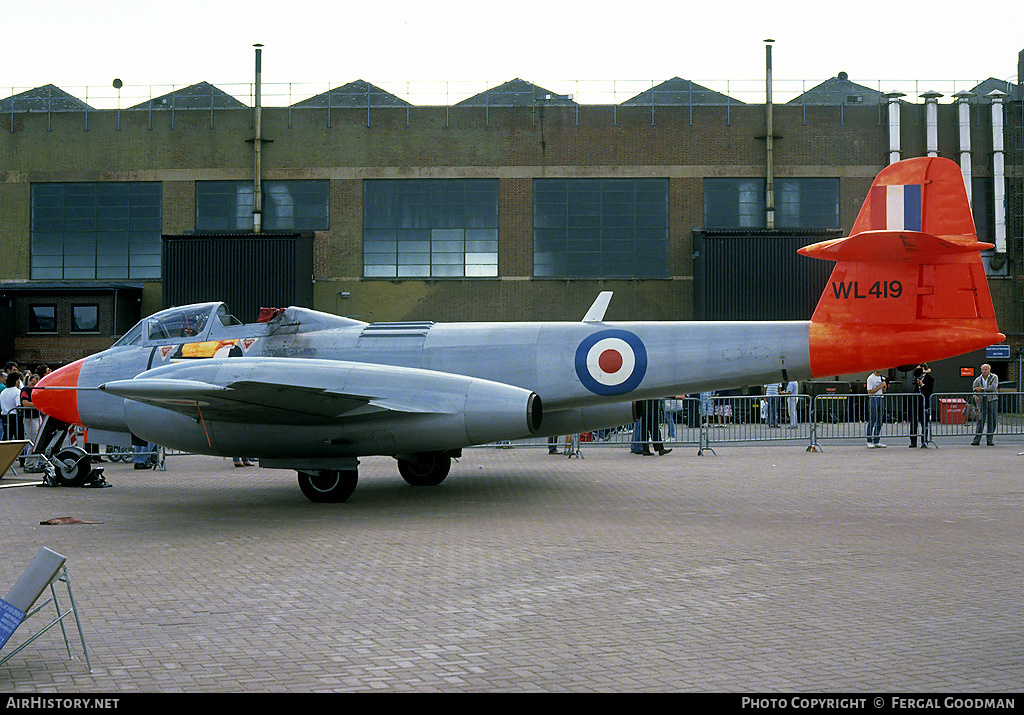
(799,203)
(42,319)
(96,231)
(85,319)
(807,203)
(600,228)
(300,205)
(430,228)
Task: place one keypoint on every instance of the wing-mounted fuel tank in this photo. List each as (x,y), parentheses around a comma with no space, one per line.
(278,408)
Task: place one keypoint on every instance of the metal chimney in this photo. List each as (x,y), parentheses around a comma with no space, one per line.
(769,187)
(893,98)
(998,172)
(931,120)
(963,109)
(257,174)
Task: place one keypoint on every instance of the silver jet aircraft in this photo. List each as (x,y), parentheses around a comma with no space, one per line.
(313,392)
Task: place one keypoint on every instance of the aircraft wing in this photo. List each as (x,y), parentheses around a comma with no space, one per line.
(246,400)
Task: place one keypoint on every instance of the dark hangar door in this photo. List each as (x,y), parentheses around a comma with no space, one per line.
(246,271)
(757,275)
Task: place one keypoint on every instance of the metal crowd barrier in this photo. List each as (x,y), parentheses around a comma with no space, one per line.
(845,417)
(24,423)
(955,414)
(723,419)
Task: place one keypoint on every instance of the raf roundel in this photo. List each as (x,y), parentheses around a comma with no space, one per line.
(611,362)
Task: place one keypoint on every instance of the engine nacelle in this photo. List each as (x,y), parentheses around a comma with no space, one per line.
(292,407)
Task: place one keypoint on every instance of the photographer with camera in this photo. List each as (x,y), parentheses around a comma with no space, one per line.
(877,385)
(923,385)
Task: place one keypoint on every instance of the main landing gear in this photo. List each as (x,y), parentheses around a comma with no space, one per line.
(325,486)
(328,486)
(425,470)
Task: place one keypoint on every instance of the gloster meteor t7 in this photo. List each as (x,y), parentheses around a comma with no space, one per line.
(313,392)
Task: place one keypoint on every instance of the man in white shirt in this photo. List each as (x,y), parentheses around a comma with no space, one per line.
(771,396)
(877,386)
(9,399)
(792,390)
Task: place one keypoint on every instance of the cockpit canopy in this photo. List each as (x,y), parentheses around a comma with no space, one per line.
(189,322)
(202,322)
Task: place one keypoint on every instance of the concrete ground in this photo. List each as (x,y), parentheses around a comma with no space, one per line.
(761,568)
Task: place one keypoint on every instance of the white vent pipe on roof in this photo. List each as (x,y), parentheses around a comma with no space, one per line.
(998,171)
(963,109)
(893,99)
(931,121)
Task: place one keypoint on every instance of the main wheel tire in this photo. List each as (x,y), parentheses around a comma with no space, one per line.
(328,487)
(427,470)
(72,467)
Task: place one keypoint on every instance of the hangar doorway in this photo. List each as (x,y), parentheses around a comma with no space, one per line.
(757,274)
(246,271)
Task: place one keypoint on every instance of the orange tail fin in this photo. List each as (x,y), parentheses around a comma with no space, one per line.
(909,284)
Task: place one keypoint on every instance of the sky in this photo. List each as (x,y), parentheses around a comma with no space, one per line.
(454,44)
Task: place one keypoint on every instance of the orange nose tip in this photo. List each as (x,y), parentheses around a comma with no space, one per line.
(52,397)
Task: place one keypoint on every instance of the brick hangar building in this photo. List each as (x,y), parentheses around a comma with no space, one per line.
(516,203)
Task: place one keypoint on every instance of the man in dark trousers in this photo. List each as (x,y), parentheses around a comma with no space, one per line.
(650,428)
(987,387)
(923,384)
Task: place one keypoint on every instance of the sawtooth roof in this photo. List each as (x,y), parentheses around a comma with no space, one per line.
(680,92)
(359,93)
(516,93)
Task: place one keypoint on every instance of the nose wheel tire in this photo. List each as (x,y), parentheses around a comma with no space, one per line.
(427,470)
(328,486)
(72,466)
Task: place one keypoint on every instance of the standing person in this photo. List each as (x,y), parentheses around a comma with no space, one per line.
(792,390)
(672,406)
(877,386)
(707,407)
(771,392)
(923,384)
(30,415)
(723,410)
(145,455)
(650,428)
(10,398)
(987,386)
(927,388)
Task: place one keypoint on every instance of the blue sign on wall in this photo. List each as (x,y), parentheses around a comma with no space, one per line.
(997,352)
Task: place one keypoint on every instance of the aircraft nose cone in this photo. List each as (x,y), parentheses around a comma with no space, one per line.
(61,404)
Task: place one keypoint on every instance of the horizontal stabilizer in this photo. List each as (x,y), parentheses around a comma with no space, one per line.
(913,246)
